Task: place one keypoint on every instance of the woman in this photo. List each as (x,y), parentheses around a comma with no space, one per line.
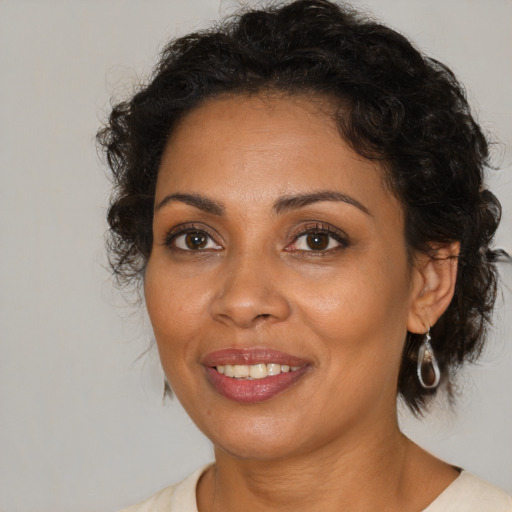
(300,191)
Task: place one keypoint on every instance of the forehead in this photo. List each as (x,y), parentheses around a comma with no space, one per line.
(261,147)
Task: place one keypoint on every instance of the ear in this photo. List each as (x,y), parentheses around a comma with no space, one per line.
(433,285)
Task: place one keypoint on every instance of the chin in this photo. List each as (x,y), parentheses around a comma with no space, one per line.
(258,450)
(261,438)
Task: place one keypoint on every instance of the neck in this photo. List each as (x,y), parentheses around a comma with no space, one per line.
(359,472)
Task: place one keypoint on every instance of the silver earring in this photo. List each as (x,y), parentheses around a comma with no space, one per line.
(428,369)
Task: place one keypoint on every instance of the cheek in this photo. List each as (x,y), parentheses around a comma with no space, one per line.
(362,309)
(360,326)
(176,308)
(175,314)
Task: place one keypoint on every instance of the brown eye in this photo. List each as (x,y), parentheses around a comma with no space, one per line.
(317,241)
(193,241)
(196,240)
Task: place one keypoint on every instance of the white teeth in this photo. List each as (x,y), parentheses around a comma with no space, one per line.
(258,371)
(241,371)
(273,369)
(255,371)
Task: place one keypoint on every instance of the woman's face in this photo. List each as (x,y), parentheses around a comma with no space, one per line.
(276,245)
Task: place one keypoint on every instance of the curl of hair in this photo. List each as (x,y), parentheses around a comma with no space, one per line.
(393,104)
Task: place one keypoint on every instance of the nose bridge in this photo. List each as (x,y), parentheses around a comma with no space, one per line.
(248,290)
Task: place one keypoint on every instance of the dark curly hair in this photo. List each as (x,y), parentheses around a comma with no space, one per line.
(398,106)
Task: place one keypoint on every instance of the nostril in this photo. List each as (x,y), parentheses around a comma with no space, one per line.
(247,306)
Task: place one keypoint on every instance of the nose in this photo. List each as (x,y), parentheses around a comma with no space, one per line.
(249,294)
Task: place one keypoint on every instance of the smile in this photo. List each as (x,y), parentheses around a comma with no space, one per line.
(254,371)
(253,375)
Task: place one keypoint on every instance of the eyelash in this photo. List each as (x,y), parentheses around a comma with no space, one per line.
(184,229)
(339,236)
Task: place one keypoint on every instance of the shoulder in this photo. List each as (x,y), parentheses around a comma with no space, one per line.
(471,494)
(159,501)
(180,497)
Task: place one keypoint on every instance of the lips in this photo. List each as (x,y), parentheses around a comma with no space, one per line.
(246,389)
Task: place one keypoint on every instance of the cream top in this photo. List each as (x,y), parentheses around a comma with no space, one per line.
(467,493)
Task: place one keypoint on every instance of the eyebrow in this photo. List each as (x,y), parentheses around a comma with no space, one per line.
(287,203)
(197,200)
(282,205)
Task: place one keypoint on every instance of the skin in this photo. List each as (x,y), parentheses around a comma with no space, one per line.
(332,440)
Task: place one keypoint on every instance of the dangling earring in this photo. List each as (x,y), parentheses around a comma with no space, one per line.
(428,369)
(167,391)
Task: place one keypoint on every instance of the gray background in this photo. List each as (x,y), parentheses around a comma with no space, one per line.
(82,426)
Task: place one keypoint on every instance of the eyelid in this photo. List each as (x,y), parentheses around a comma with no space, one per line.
(319,227)
(189,227)
(295,234)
